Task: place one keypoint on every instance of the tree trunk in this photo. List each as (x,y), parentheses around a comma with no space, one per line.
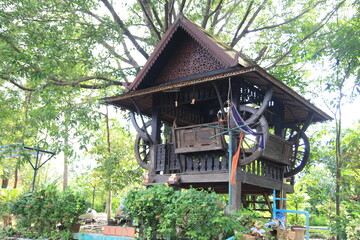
(338,155)
(93,197)
(66,171)
(108,201)
(66,162)
(338,168)
(5,182)
(108,205)
(16,177)
(107,130)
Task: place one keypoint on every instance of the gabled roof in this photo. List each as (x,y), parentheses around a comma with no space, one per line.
(183,29)
(169,68)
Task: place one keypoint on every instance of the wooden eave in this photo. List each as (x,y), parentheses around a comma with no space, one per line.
(296,107)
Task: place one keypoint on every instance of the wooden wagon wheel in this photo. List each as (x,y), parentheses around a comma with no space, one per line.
(265,103)
(258,112)
(142,148)
(250,147)
(300,149)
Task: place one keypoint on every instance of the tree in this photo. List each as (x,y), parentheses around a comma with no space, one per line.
(58,57)
(113,152)
(59,43)
(341,81)
(320,180)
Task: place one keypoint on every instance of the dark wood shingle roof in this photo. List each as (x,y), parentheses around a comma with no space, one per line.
(187,55)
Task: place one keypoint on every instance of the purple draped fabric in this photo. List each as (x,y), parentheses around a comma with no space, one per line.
(240,122)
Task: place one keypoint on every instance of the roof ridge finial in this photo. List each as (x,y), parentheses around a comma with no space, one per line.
(180,17)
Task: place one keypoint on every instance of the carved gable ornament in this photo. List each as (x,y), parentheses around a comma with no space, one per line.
(185,50)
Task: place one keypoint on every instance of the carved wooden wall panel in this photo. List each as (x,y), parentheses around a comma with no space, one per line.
(188,59)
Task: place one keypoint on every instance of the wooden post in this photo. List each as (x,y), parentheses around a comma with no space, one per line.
(236,188)
(278,118)
(155,131)
(236,195)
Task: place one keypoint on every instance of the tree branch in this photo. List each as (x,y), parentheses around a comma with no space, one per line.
(207,11)
(99,86)
(128,55)
(171,11)
(261,54)
(113,52)
(285,22)
(208,15)
(74,83)
(19,85)
(166,14)
(226,17)
(182,5)
(124,28)
(156,15)
(244,31)
(55,80)
(317,28)
(88,78)
(233,42)
(149,20)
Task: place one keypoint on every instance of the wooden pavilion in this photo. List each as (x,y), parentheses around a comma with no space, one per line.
(192,80)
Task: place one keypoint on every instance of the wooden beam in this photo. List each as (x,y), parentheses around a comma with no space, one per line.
(258,183)
(263,182)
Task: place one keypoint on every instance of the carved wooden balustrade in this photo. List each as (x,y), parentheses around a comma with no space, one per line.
(196,150)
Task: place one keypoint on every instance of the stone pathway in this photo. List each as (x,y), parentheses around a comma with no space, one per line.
(92,228)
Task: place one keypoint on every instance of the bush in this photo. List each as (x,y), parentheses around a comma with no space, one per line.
(347,225)
(6,197)
(193,214)
(318,220)
(161,212)
(147,207)
(38,214)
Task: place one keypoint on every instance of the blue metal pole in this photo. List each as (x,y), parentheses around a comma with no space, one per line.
(230,166)
(11,145)
(274,204)
(275,210)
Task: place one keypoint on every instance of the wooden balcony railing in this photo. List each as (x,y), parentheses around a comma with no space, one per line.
(209,162)
(203,149)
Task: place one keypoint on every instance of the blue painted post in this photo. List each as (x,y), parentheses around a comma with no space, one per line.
(306,213)
(230,166)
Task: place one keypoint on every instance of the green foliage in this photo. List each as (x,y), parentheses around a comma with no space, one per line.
(193,214)
(347,225)
(318,184)
(297,201)
(242,221)
(160,211)
(6,198)
(9,231)
(147,208)
(116,162)
(39,213)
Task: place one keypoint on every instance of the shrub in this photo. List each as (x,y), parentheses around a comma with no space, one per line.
(242,221)
(193,214)
(318,220)
(161,212)
(7,195)
(146,208)
(38,214)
